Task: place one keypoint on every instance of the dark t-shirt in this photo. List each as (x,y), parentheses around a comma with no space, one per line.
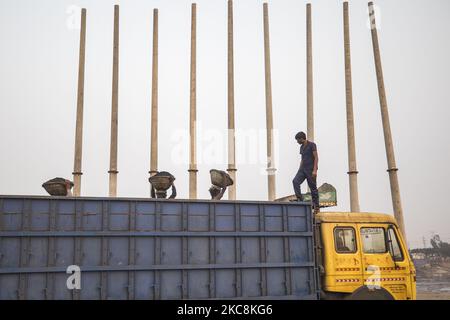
(308,156)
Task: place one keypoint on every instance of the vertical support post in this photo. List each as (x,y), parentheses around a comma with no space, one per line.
(309,77)
(114,109)
(231,127)
(392,169)
(80,103)
(154,119)
(352,169)
(269,118)
(193,105)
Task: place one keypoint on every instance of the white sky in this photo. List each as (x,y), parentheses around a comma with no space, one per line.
(38,77)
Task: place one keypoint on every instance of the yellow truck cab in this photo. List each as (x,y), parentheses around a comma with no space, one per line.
(363,256)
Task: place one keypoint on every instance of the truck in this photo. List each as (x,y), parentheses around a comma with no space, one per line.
(71,248)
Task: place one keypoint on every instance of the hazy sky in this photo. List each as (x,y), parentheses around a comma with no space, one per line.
(38,83)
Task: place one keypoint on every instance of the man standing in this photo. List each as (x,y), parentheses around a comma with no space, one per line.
(308,169)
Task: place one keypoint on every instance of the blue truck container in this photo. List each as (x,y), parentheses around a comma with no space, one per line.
(130,248)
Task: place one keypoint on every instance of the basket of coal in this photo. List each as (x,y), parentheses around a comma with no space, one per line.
(58,186)
(220,178)
(162,180)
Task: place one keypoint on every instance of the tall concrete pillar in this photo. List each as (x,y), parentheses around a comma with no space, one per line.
(80,103)
(231,128)
(114,109)
(154,120)
(309,77)
(269,118)
(392,168)
(352,170)
(193,106)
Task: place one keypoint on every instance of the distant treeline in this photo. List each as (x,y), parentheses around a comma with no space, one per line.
(438,248)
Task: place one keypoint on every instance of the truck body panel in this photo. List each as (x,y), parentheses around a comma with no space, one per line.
(129,248)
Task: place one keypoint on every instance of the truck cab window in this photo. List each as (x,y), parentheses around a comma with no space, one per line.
(344,240)
(373,240)
(394,248)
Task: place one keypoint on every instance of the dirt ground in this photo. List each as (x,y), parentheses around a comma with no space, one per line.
(433,281)
(433,295)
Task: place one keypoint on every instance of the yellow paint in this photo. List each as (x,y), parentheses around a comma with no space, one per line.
(346,272)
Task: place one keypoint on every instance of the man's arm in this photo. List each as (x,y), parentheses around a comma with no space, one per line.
(316,162)
(174,192)
(152,194)
(221,193)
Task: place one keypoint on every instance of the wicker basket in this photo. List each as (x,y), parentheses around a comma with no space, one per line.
(220,178)
(160,182)
(57,186)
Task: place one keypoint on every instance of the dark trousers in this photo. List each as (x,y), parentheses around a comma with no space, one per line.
(301,175)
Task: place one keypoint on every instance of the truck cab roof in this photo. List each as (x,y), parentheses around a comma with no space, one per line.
(355,217)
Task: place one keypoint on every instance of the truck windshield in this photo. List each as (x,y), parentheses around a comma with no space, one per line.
(373,240)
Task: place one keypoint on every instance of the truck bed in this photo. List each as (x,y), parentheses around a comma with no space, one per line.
(132,248)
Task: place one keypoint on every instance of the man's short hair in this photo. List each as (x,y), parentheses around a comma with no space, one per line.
(300,135)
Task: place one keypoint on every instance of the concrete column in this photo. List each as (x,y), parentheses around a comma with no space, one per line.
(154,120)
(114,108)
(231,128)
(309,77)
(193,105)
(392,168)
(80,103)
(269,118)
(352,170)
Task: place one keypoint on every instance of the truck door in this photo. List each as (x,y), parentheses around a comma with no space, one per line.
(402,270)
(384,263)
